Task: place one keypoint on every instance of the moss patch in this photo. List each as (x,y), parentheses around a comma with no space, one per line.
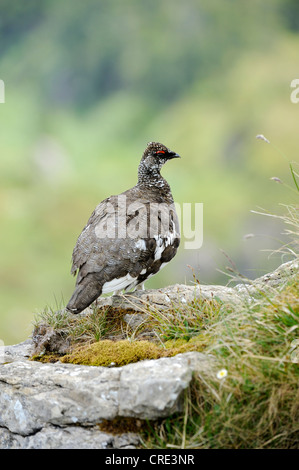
(121,425)
(196,343)
(118,353)
(50,358)
(98,339)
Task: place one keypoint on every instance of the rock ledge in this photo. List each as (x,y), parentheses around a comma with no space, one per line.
(60,405)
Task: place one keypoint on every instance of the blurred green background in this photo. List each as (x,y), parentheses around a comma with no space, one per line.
(88,84)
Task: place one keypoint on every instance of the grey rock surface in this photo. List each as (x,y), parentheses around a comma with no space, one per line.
(276,279)
(58,405)
(16,352)
(135,320)
(180,294)
(69,437)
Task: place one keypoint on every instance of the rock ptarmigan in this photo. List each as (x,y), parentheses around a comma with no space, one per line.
(128,237)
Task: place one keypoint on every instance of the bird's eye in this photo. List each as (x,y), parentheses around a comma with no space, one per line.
(160,151)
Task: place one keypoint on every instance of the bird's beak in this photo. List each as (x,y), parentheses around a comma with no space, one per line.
(173,155)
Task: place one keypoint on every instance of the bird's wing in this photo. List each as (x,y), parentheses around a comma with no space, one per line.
(87,242)
(112,239)
(123,239)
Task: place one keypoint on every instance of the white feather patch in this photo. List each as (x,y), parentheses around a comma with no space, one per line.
(159,247)
(118,284)
(162,243)
(141,244)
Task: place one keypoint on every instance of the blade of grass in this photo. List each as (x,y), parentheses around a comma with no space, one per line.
(294,177)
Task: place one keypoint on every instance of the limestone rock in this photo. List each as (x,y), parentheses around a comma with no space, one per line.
(48,339)
(168,297)
(276,279)
(69,437)
(59,405)
(16,352)
(180,294)
(135,320)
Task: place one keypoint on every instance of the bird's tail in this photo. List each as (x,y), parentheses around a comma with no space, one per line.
(84,294)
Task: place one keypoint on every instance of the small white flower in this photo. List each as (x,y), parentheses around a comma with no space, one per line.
(221,374)
(262,137)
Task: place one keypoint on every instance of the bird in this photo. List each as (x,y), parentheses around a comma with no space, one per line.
(129,237)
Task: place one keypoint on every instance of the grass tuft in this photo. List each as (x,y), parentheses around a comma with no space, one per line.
(256,403)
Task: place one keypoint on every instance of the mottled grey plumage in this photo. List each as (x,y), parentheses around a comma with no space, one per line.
(128,237)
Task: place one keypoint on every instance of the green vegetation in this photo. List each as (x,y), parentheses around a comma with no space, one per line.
(256,405)
(100,323)
(101,337)
(116,353)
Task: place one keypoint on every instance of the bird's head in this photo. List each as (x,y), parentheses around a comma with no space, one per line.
(156,154)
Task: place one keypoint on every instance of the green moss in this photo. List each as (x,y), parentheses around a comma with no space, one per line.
(121,425)
(106,352)
(50,358)
(119,353)
(180,345)
(175,343)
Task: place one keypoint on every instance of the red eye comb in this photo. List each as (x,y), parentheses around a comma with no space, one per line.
(160,151)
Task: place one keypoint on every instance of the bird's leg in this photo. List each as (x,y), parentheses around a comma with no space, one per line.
(140,286)
(117,292)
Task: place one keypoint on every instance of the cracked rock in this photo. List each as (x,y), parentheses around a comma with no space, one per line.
(69,437)
(37,398)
